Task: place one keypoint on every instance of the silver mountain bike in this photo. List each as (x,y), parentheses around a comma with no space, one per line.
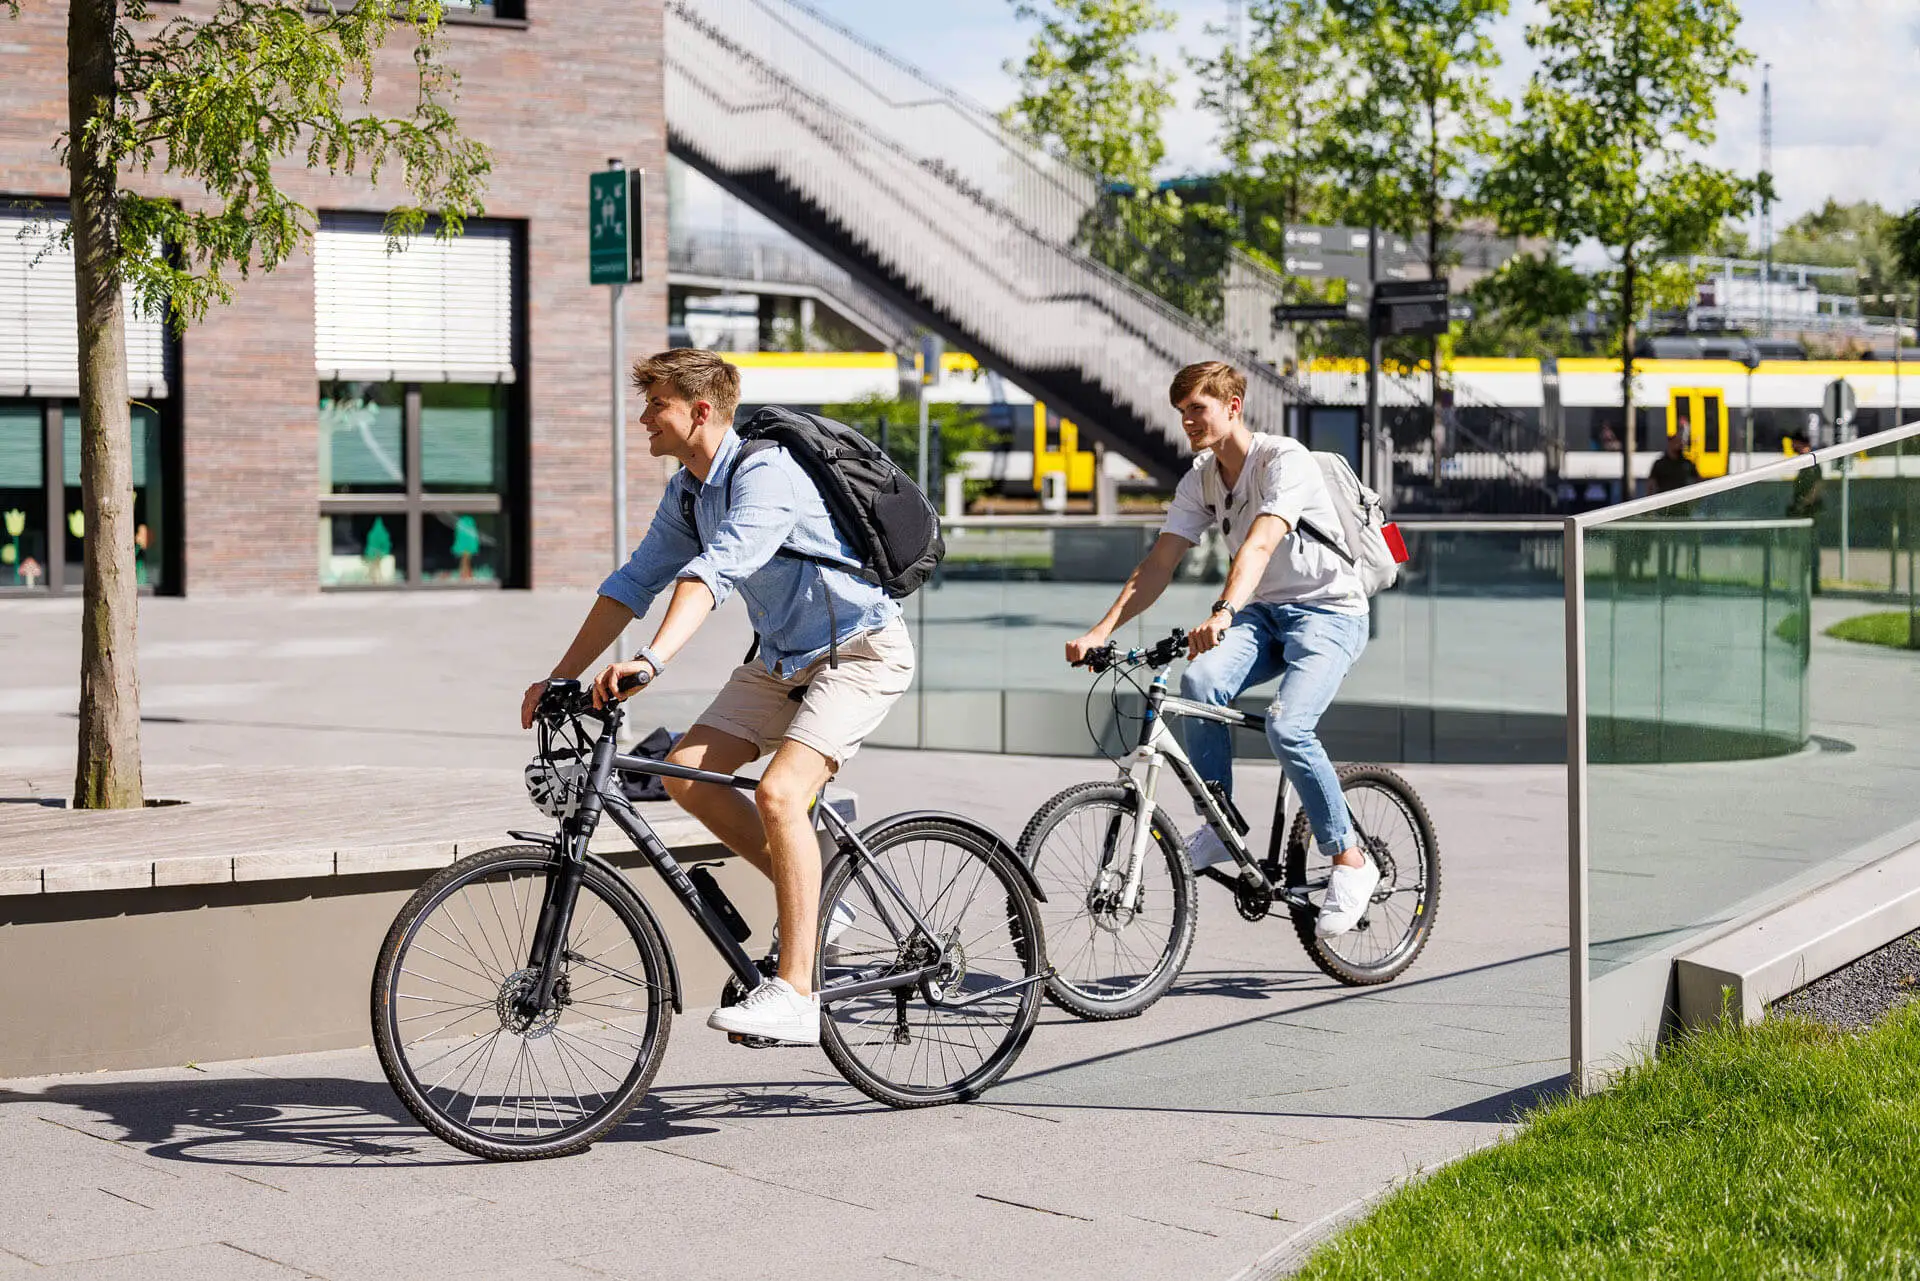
(1121,903)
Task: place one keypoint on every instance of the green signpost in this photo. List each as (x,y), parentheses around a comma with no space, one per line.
(613,240)
(615,219)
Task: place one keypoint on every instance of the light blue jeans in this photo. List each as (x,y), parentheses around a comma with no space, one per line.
(1310,648)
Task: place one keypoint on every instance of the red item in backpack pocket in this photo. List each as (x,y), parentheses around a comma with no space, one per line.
(1395,544)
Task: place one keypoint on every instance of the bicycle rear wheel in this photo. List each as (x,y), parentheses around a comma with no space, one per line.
(476,1070)
(1393,830)
(1113,959)
(945,1038)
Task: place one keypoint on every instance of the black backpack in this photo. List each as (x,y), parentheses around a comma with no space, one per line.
(875,506)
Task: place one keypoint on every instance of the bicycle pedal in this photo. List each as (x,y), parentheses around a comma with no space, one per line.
(763,1042)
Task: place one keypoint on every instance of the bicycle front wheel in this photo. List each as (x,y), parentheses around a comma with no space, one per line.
(1113,959)
(949,1036)
(452,1034)
(1392,829)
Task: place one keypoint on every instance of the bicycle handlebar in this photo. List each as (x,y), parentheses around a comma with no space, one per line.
(1158,654)
(564,697)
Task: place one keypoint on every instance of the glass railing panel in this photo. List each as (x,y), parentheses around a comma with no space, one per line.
(1463,663)
(1738,750)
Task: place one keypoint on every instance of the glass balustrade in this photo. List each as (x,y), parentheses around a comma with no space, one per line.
(1747,736)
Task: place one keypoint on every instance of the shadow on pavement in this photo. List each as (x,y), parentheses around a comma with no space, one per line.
(307,1122)
(1513,1105)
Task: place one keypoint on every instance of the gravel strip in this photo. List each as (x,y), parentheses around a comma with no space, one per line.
(1857,995)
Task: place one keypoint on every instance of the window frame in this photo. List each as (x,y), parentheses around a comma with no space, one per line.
(415,502)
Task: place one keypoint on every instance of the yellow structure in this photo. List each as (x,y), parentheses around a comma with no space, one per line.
(1704,412)
(1066,457)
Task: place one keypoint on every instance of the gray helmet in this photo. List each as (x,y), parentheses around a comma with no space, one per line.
(556,785)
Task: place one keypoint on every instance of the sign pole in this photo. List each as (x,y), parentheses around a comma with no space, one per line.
(1373,365)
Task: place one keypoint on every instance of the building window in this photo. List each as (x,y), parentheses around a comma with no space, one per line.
(413,484)
(422,439)
(43,528)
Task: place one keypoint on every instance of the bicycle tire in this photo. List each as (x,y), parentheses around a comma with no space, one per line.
(1007,1021)
(567,1048)
(1068,901)
(1425,888)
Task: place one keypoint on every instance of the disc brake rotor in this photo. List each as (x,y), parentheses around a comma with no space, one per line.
(518,985)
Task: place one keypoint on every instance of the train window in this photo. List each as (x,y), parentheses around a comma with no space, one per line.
(1710,410)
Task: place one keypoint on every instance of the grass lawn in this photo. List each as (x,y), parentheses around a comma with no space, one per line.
(1874,629)
(1783,1150)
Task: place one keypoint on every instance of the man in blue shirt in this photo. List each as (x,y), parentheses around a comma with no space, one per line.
(718,527)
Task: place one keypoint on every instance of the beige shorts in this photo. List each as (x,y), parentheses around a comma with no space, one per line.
(841,707)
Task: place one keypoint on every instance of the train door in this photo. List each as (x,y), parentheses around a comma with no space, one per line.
(1704,412)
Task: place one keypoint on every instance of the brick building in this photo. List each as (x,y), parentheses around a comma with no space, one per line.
(433,418)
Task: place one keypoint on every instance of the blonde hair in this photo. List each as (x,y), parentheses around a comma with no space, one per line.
(692,374)
(1215,378)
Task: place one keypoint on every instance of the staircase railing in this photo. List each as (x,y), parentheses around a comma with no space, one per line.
(972,223)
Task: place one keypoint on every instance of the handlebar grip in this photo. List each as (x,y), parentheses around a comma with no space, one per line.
(634,681)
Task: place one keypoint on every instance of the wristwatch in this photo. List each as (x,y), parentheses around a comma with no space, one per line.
(1223,605)
(645,654)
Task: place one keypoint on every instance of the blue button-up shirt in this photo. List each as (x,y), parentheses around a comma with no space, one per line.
(775,505)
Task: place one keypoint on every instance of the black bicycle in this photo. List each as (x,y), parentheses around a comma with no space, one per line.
(522,999)
(1122,902)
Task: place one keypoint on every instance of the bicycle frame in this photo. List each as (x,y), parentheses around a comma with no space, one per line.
(1158,747)
(547,954)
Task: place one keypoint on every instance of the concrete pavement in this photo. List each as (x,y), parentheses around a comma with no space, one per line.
(1255,1101)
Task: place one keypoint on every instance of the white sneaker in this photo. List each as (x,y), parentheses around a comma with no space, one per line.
(774,1011)
(1205,848)
(1349,895)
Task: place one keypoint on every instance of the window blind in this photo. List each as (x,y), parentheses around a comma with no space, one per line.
(39,339)
(435,311)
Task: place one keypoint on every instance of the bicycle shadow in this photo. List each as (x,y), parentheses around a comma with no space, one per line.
(338,1122)
(1241,985)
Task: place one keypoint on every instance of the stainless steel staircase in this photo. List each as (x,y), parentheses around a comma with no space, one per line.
(929,201)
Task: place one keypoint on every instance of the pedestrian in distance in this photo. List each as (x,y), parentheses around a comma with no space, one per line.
(833,653)
(1292,607)
(1673,469)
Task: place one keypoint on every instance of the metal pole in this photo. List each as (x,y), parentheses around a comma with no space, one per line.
(617,415)
(1846,495)
(1373,366)
(929,358)
(1747,420)
(618,410)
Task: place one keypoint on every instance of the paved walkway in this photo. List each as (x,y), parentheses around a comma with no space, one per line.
(1254,1102)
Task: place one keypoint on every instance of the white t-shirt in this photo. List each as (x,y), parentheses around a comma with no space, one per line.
(1280,479)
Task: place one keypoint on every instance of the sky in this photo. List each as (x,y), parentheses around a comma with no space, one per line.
(1842,71)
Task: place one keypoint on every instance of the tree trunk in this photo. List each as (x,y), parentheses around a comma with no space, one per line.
(1626,375)
(107,775)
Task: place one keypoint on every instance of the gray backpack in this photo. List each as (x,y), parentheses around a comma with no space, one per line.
(1366,539)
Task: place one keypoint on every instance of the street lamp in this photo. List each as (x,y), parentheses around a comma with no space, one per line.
(1752,361)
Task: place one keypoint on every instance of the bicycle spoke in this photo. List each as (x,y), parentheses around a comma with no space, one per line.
(493,1067)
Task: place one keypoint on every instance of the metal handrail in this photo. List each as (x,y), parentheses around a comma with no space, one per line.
(1783,466)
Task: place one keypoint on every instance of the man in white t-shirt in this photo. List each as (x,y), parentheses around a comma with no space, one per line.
(1292,607)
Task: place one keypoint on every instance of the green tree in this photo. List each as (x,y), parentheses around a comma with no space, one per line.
(1857,236)
(1615,116)
(1271,105)
(214,101)
(1090,92)
(954,429)
(1523,309)
(1416,114)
